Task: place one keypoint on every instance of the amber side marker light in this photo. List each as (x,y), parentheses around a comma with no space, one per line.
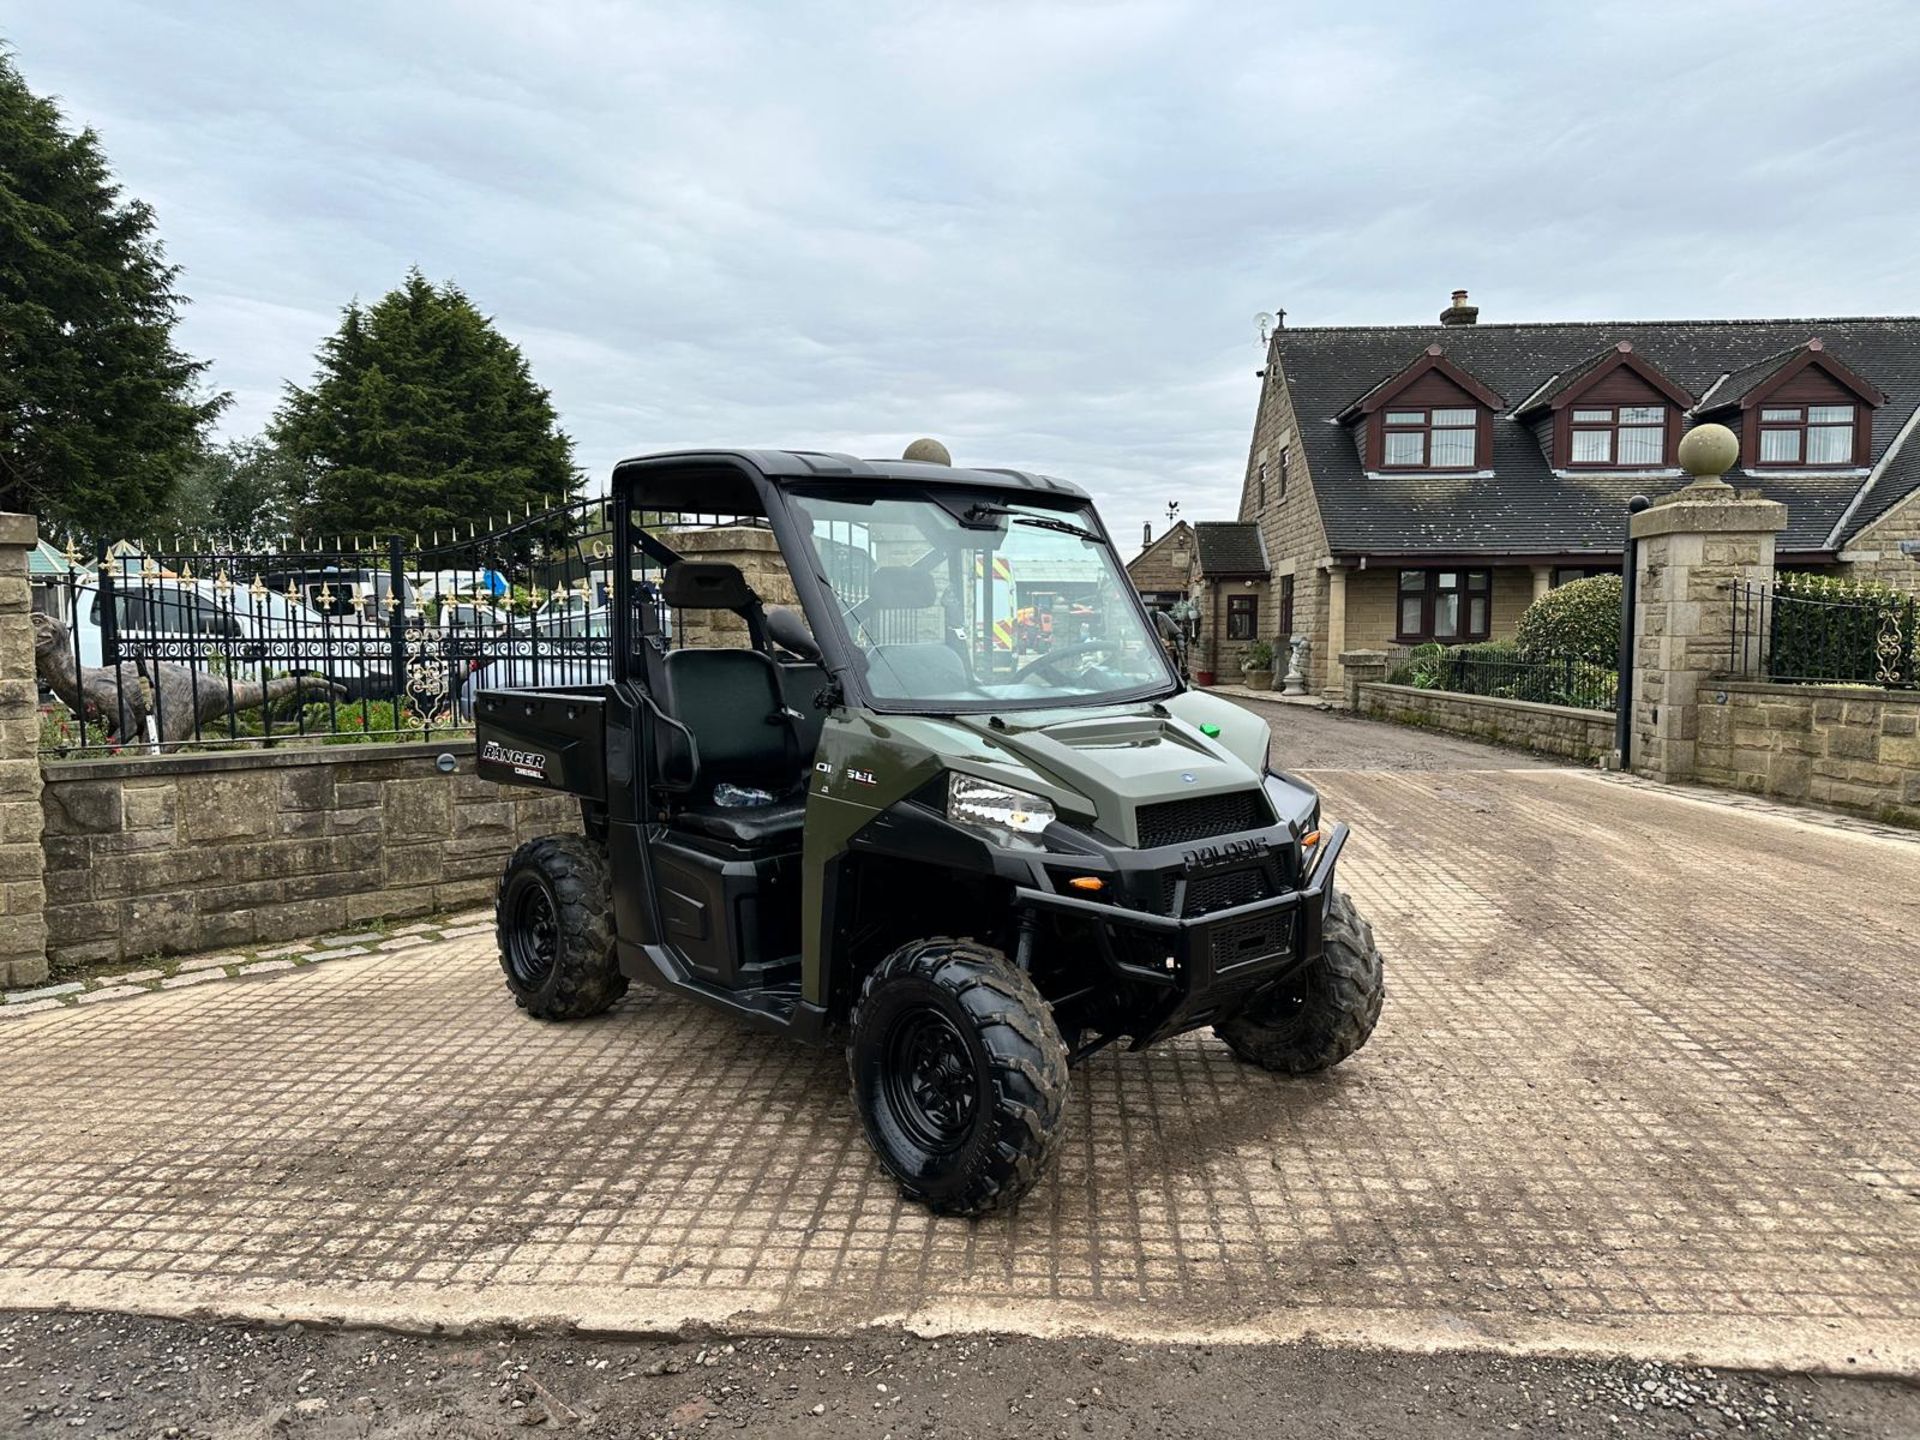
(1310,839)
(1087,882)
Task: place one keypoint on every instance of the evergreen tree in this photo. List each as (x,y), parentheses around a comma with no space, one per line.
(99,412)
(422,416)
(240,495)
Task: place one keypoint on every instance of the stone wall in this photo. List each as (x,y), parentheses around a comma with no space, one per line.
(1875,554)
(23,932)
(1165,566)
(1584,735)
(1848,747)
(752,548)
(1290,527)
(176,853)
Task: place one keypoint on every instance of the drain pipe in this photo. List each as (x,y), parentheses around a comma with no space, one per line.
(1623,695)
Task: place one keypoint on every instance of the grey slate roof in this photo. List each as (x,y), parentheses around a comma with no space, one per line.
(1229,547)
(1523,507)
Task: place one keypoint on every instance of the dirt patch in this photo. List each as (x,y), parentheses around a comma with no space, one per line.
(68,1374)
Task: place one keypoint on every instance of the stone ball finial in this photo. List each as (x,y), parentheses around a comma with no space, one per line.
(931,451)
(1708,452)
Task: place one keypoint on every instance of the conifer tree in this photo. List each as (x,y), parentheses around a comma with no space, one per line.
(99,411)
(422,416)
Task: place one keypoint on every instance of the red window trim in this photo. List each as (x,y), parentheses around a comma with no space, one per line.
(1669,426)
(1759,425)
(1382,429)
(1467,590)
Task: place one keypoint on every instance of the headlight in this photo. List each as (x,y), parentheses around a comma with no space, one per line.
(1004,815)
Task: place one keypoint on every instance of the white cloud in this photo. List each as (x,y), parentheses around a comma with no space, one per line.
(1039,231)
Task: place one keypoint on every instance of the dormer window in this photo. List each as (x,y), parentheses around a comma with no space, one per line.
(1620,437)
(1616,410)
(1799,409)
(1432,415)
(1431,439)
(1807,435)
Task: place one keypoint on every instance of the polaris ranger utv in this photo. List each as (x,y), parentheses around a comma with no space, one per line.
(977,863)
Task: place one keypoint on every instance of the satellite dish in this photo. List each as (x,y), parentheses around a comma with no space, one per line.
(1265,321)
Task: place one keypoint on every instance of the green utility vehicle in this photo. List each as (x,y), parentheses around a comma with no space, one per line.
(976,863)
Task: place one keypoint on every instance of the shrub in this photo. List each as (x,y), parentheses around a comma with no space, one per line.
(1827,628)
(1580,620)
(350,722)
(1500,669)
(1259,656)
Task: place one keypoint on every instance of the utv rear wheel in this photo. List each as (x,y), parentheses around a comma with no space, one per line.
(1321,1013)
(553,914)
(959,1075)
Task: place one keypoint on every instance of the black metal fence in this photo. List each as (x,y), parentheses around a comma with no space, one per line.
(1501,672)
(153,648)
(1850,635)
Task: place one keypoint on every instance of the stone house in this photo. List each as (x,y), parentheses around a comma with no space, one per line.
(1415,483)
(1230,588)
(1162,571)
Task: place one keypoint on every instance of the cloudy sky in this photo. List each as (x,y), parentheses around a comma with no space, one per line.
(1039,231)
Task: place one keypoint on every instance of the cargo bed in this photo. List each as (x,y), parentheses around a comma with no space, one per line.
(552,739)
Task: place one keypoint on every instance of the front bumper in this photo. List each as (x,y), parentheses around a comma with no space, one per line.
(1207,965)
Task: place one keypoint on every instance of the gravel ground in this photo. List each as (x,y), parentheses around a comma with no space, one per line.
(1305,738)
(85,1374)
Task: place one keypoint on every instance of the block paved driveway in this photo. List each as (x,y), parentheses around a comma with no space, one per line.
(1646,1083)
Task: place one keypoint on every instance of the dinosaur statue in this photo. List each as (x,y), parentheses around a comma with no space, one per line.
(181,699)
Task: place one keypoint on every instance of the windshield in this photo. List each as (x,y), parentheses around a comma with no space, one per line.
(1022,607)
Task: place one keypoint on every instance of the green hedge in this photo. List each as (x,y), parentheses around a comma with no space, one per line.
(1581,619)
(1849,631)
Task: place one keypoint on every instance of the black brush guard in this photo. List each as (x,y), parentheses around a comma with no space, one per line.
(1208,965)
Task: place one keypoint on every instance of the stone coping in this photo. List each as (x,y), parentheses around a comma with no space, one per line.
(1789,691)
(292,754)
(174,972)
(1499,702)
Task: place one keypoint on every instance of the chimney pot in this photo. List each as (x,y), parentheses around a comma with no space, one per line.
(1460,312)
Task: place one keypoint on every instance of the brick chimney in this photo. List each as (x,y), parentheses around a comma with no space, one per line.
(1459,312)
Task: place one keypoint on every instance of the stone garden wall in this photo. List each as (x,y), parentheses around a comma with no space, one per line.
(177,853)
(1848,747)
(1584,735)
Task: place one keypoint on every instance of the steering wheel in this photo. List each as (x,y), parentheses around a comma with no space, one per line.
(1054,657)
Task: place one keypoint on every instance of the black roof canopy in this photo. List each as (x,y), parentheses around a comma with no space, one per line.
(1524,507)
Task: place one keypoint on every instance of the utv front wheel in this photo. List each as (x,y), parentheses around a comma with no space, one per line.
(1323,1012)
(553,914)
(959,1074)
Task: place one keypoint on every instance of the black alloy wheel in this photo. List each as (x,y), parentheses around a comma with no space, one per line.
(932,1086)
(531,935)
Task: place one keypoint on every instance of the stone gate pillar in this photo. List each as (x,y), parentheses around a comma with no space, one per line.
(1694,545)
(23,893)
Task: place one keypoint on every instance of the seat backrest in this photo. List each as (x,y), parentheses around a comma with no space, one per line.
(731,700)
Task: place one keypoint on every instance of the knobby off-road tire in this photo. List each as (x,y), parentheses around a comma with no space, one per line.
(1323,1014)
(959,1075)
(553,915)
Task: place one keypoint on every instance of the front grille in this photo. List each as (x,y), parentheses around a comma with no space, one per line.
(1174,822)
(1207,893)
(1257,938)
